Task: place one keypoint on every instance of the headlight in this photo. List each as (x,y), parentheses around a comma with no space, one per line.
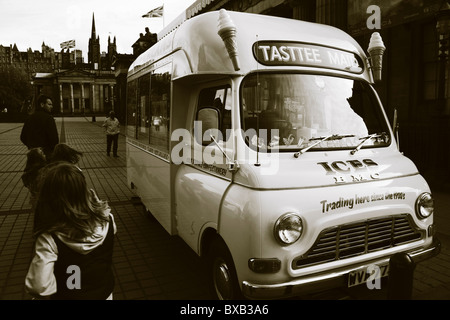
(288,228)
(424,205)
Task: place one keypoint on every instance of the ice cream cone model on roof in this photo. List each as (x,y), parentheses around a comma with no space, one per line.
(376,50)
(227,31)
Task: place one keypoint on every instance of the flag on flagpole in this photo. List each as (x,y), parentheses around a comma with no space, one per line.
(68,44)
(155,13)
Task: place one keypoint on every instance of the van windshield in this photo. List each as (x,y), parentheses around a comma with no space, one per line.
(296,111)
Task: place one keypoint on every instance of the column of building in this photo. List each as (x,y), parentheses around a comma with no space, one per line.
(72,100)
(61,104)
(111,96)
(101,99)
(95,96)
(83,105)
(93,99)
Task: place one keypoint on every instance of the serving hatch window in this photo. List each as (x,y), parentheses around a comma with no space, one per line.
(294,111)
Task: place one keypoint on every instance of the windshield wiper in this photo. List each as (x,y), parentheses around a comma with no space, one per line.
(322,139)
(365,139)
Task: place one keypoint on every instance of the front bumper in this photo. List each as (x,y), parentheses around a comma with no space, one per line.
(332,279)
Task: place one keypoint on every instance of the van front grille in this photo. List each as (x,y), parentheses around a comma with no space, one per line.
(359,238)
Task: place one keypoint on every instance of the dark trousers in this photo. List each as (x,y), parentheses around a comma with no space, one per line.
(112,139)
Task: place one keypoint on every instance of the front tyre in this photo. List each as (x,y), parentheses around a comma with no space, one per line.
(224,283)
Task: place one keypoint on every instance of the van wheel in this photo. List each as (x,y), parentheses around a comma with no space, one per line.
(224,284)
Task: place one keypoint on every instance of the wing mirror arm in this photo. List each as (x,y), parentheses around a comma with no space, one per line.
(396,128)
(233,165)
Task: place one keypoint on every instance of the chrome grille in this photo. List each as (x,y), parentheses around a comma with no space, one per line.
(359,238)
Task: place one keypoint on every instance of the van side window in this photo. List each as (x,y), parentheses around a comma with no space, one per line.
(131,111)
(148,108)
(159,117)
(143,108)
(219,99)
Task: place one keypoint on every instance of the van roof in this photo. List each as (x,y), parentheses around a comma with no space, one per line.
(206,53)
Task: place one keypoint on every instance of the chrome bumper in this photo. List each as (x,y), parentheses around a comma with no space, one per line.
(333,279)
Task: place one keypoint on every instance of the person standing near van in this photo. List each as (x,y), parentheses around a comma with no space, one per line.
(39,129)
(74,240)
(112,127)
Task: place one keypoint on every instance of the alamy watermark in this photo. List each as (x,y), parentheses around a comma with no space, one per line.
(374,21)
(371,276)
(74,280)
(374,280)
(187,152)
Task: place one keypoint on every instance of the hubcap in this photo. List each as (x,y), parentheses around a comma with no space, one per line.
(222,280)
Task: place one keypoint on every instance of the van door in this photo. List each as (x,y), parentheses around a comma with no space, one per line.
(203,179)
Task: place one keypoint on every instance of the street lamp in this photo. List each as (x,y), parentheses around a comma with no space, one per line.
(443,30)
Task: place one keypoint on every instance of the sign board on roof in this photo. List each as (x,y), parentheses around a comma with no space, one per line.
(276,53)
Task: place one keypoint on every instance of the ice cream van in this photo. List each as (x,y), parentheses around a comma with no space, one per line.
(273,157)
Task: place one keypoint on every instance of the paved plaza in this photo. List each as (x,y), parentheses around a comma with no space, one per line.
(148,263)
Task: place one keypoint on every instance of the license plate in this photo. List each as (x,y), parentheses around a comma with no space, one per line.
(369,273)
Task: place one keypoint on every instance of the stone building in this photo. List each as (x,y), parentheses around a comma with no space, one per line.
(29,61)
(82,88)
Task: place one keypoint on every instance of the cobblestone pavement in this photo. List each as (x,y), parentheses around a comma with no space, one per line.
(148,263)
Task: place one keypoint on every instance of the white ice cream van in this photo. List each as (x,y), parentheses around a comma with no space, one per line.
(261,142)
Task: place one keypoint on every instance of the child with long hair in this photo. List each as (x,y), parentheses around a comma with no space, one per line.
(74,239)
(64,152)
(37,164)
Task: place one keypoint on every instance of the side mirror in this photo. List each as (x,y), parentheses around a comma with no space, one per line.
(209,121)
(396,128)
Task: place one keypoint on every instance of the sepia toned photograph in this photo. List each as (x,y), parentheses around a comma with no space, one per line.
(224,157)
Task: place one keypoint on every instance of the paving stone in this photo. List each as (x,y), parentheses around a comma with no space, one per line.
(146,259)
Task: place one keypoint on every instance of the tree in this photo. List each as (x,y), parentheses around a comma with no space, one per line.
(15,88)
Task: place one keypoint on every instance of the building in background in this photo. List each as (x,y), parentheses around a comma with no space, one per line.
(145,41)
(121,63)
(16,70)
(79,88)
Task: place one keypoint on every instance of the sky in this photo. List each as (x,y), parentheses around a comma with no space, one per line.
(29,23)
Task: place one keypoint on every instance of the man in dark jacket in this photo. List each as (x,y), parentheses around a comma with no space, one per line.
(39,129)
